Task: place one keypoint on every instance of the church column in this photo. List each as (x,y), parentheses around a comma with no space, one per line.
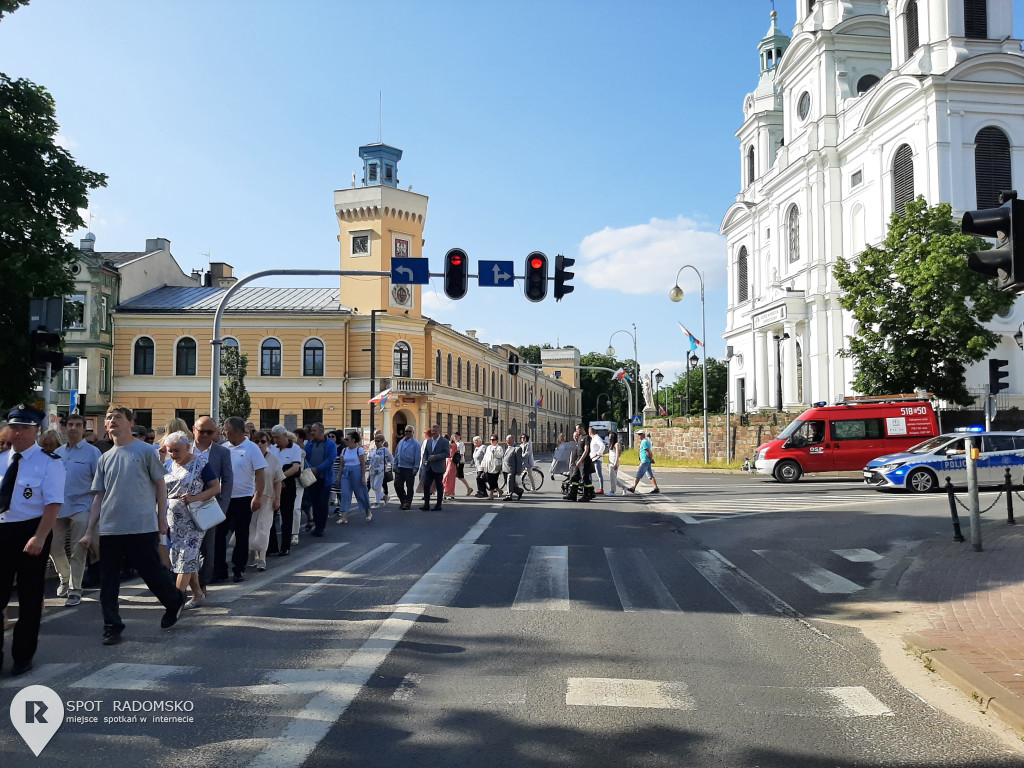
(789,365)
(761,382)
(821,357)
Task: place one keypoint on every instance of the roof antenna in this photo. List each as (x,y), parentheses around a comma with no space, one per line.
(91,217)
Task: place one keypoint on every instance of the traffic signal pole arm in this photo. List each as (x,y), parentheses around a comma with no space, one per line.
(218,316)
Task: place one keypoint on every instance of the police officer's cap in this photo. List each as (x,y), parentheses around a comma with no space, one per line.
(22,414)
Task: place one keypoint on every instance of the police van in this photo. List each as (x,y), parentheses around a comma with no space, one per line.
(926,466)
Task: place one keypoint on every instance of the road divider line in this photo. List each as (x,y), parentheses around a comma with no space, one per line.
(744,594)
(813,575)
(437,586)
(637,583)
(544,585)
(350,569)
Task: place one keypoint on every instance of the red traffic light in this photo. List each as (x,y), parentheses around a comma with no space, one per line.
(536,262)
(456,259)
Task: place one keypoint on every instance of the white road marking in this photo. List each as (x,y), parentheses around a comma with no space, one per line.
(475,690)
(271,576)
(544,585)
(859,702)
(746,595)
(613,692)
(817,578)
(39,674)
(637,583)
(131,677)
(350,569)
(858,555)
(441,583)
(828,702)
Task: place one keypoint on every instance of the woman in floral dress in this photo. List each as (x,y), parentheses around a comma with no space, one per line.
(190,482)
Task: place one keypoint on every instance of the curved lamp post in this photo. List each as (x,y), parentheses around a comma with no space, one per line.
(676,294)
(657,377)
(636,379)
(599,396)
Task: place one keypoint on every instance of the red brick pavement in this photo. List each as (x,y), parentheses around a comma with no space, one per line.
(972,603)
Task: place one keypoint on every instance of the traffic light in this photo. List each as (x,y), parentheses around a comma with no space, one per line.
(1006,260)
(456,273)
(513,363)
(46,349)
(996,374)
(562,276)
(536,276)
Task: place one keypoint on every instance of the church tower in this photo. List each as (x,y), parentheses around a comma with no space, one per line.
(379,221)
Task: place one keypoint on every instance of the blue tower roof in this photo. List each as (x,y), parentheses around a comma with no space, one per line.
(380,164)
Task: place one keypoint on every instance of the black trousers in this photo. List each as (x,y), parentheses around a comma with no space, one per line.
(405,484)
(30,570)
(435,478)
(288,492)
(238,519)
(319,493)
(140,550)
(481,482)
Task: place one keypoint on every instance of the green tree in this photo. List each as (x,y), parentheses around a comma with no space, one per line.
(613,394)
(919,309)
(530,353)
(717,373)
(42,189)
(234,397)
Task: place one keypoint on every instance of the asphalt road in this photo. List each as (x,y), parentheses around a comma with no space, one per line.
(671,630)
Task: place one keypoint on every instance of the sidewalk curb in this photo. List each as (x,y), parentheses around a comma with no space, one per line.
(1007,706)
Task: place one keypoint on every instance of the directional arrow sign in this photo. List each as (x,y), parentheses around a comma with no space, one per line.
(410,271)
(496,274)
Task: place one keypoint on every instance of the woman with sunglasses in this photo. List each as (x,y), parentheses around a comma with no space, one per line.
(353,470)
(379,459)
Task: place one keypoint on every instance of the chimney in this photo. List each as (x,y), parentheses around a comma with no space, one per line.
(197,275)
(471,334)
(221,275)
(158,244)
(88,243)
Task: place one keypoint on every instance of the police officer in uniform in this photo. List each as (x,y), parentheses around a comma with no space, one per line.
(31,493)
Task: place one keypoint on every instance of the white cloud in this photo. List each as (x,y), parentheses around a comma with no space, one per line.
(645,258)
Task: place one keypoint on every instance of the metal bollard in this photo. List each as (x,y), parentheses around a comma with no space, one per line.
(957,535)
(1009,498)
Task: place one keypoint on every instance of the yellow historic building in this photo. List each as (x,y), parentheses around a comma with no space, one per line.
(310,349)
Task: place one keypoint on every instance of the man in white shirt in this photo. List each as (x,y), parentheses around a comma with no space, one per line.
(598,448)
(247,466)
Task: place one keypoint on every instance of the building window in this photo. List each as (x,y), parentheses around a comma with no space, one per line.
(144,355)
(143,417)
(69,377)
(793,233)
(742,284)
(104,373)
(976,19)
(856,179)
(312,416)
(458,373)
(437,367)
(401,361)
(271,417)
(225,344)
(449,379)
(373,172)
(991,166)
(389,173)
(866,83)
(185,357)
(103,313)
(902,179)
(356,419)
(476,379)
(492,384)
(270,358)
(750,164)
(74,313)
(913,35)
(188,415)
(360,245)
(803,105)
(469,380)
(313,358)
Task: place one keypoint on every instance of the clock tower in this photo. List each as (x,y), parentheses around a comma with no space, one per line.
(377,222)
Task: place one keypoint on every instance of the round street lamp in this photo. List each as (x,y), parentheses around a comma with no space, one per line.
(676,294)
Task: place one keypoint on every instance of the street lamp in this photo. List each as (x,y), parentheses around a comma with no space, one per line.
(778,369)
(691,363)
(728,426)
(599,396)
(676,294)
(636,361)
(658,378)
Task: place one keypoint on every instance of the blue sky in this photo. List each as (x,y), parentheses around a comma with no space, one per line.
(600,130)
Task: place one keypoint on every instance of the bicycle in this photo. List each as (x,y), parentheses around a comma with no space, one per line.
(530,479)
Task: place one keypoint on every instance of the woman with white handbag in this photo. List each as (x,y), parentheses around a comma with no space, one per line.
(189,483)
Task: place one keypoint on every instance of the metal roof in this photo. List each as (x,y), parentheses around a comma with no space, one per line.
(203,299)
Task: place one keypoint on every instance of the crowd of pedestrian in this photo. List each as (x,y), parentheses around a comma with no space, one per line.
(123,503)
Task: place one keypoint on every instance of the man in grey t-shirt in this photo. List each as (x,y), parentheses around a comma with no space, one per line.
(130,513)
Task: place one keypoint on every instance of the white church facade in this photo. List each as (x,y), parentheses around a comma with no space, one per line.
(868,104)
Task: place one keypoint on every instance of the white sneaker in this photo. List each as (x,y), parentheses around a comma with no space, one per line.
(196,602)
(62,590)
(261,565)
(295,539)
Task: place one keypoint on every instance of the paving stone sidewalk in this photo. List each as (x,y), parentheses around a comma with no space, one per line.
(971,606)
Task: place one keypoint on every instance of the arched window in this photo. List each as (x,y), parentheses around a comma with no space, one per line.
(910,19)
(866,83)
(185,357)
(226,343)
(902,179)
(742,284)
(469,376)
(991,166)
(449,369)
(492,384)
(501,387)
(458,373)
(313,358)
(270,358)
(793,233)
(401,361)
(437,367)
(144,356)
(976,19)
(750,164)
(476,378)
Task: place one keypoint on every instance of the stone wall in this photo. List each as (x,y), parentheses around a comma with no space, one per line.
(684,438)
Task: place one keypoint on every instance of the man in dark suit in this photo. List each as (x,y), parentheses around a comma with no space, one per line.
(205,432)
(435,456)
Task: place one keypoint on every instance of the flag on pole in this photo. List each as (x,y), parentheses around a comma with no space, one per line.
(381,398)
(662,412)
(539,403)
(621,374)
(694,341)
